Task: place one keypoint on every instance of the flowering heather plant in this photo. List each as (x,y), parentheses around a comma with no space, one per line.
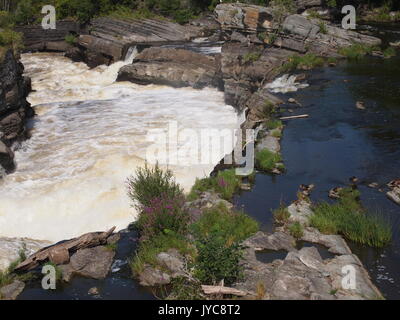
(163,215)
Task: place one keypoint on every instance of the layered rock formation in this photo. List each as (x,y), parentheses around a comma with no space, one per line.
(173,67)
(14,109)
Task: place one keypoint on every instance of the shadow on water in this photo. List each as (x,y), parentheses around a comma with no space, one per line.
(339,141)
(119,284)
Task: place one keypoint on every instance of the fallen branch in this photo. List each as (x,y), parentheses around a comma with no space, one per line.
(223,290)
(294,117)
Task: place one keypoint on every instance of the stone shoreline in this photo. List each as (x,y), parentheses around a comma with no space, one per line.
(247,62)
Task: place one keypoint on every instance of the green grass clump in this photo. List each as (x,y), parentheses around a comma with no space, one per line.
(148,250)
(281,215)
(356,51)
(273,124)
(71,39)
(150,183)
(230,226)
(267,160)
(348,218)
(322,28)
(305,62)
(389,52)
(226,183)
(251,57)
(296,230)
(11,39)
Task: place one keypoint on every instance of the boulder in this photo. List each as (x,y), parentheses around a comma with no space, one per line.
(90,262)
(173,67)
(394,195)
(300,211)
(173,261)
(242,16)
(12,291)
(150,277)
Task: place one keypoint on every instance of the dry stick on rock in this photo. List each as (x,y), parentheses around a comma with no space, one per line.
(294,117)
(64,249)
(223,290)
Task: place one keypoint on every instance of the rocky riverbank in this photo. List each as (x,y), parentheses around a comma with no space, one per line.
(14,109)
(257,47)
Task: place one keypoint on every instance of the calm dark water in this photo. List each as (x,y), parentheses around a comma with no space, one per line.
(119,285)
(339,141)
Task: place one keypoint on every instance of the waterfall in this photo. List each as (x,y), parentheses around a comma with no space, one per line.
(284,84)
(131,54)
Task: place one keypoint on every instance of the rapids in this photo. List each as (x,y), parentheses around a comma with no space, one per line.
(89,135)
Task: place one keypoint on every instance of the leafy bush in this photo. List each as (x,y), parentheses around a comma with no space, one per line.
(389,52)
(148,250)
(11,39)
(296,230)
(348,218)
(274,124)
(267,160)
(70,39)
(226,183)
(218,261)
(150,183)
(231,226)
(163,215)
(322,28)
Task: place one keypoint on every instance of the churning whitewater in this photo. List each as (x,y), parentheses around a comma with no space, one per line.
(89,135)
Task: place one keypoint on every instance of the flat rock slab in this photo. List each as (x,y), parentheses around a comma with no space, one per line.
(334,243)
(276,241)
(300,211)
(12,291)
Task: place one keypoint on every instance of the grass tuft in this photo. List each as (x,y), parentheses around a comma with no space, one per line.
(267,160)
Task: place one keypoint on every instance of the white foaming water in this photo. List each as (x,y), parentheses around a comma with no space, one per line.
(88,137)
(284,84)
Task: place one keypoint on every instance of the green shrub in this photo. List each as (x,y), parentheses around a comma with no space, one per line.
(6,20)
(150,183)
(229,225)
(218,261)
(11,39)
(163,215)
(307,61)
(148,250)
(267,160)
(184,289)
(226,183)
(281,215)
(348,218)
(274,124)
(296,230)
(71,39)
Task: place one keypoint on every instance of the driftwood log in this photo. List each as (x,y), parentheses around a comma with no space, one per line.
(223,290)
(60,253)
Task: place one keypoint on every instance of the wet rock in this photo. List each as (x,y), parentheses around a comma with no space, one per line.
(150,277)
(173,67)
(94,291)
(10,249)
(360,105)
(12,291)
(373,185)
(6,157)
(335,193)
(394,195)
